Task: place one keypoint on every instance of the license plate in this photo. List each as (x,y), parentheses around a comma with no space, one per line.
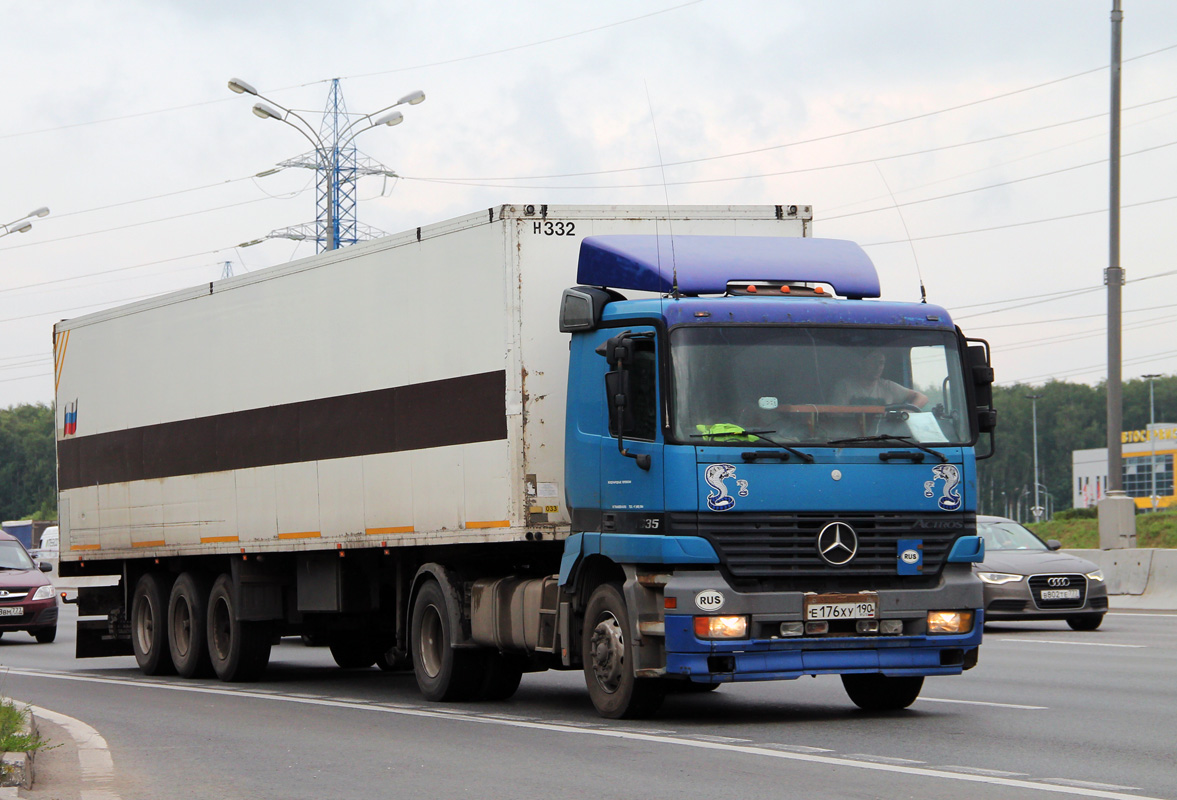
(1060,594)
(11,611)
(841,606)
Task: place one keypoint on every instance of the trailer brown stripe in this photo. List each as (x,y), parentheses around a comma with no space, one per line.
(454,411)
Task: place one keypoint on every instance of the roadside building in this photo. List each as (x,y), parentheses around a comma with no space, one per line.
(1147,453)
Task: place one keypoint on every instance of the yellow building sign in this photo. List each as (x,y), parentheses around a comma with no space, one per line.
(1160,434)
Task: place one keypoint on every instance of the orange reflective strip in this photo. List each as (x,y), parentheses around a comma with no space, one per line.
(301,535)
(85,547)
(152,543)
(215,539)
(497,523)
(381,531)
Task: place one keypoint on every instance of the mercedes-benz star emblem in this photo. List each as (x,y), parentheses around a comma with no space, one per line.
(837,543)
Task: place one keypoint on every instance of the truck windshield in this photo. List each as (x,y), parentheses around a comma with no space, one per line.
(817,385)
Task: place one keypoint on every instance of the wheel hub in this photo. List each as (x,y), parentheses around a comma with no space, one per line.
(608,653)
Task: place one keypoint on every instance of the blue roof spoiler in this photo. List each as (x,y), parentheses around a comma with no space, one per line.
(705,264)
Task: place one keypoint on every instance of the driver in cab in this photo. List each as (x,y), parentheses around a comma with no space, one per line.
(867,386)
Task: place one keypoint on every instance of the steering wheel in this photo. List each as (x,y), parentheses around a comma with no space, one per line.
(903,407)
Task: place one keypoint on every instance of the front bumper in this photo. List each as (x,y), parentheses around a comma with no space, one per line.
(1016,601)
(35,614)
(782,659)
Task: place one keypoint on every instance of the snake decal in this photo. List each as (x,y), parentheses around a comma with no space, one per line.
(950,499)
(716,476)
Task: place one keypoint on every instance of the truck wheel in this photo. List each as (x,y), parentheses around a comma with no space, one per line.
(1087,622)
(353,653)
(187,626)
(874,691)
(239,650)
(149,630)
(45,635)
(608,660)
(443,673)
(501,676)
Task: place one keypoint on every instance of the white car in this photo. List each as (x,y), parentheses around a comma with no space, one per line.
(49,549)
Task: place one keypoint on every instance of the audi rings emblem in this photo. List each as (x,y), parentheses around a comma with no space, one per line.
(837,543)
(1056,582)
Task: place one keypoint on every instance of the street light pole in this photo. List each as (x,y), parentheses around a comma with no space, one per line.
(1152,420)
(1034,398)
(327,155)
(23,224)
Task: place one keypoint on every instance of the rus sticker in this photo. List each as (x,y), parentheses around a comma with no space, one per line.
(709,600)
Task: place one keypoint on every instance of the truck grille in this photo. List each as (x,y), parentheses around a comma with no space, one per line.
(771,546)
(1040,583)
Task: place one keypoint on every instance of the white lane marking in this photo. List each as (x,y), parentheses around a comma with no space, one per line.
(1113,787)
(93,755)
(1170,615)
(705,737)
(883,759)
(560,727)
(995,773)
(796,748)
(981,703)
(1063,641)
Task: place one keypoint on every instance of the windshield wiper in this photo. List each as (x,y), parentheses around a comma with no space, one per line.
(884,437)
(808,459)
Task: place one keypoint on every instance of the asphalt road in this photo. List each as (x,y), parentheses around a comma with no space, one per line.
(1048,713)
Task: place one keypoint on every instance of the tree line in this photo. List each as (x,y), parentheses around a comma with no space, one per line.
(28,465)
(1071,416)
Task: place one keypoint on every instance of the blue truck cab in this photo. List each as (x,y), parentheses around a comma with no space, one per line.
(770,472)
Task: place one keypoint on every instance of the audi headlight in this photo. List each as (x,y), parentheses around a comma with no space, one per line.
(1096,576)
(44,592)
(998,578)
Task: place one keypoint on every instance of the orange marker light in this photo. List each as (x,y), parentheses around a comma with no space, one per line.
(670,602)
(818,290)
(786,290)
(751,289)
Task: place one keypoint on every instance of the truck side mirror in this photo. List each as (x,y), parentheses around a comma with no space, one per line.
(617,352)
(980,371)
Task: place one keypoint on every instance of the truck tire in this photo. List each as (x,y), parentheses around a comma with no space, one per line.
(442,672)
(149,629)
(1087,622)
(188,626)
(608,660)
(239,650)
(874,691)
(353,652)
(501,676)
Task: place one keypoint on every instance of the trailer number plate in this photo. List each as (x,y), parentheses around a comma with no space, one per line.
(11,611)
(841,606)
(1060,594)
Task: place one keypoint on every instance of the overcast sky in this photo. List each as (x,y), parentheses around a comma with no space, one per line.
(119,120)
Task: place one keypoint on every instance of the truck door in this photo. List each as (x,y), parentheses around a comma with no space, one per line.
(632,482)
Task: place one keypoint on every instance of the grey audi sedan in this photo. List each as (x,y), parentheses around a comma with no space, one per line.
(1028,579)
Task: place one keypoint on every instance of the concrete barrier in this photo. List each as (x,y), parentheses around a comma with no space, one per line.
(1137,577)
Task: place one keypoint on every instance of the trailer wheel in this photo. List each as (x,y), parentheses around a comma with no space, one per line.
(874,691)
(187,626)
(149,630)
(239,650)
(443,673)
(608,660)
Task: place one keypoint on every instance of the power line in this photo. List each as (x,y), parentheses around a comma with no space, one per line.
(1053,320)
(109,271)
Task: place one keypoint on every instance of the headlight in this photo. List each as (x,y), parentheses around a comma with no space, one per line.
(721,627)
(998,578)
(44,592)
(1096,576)
(950,621)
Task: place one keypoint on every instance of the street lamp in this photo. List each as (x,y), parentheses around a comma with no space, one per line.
(1152,420)
(327,154)
(23,224)
(1034,398)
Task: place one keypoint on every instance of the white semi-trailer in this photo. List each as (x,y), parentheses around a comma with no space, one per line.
(436,449)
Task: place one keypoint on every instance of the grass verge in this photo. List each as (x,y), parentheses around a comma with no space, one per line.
(13,738)
(1152,530)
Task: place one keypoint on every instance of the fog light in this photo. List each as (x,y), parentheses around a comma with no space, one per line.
(891,627)
(950,621)
(792,628)
(867,626)
(721,627)
(817,627)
